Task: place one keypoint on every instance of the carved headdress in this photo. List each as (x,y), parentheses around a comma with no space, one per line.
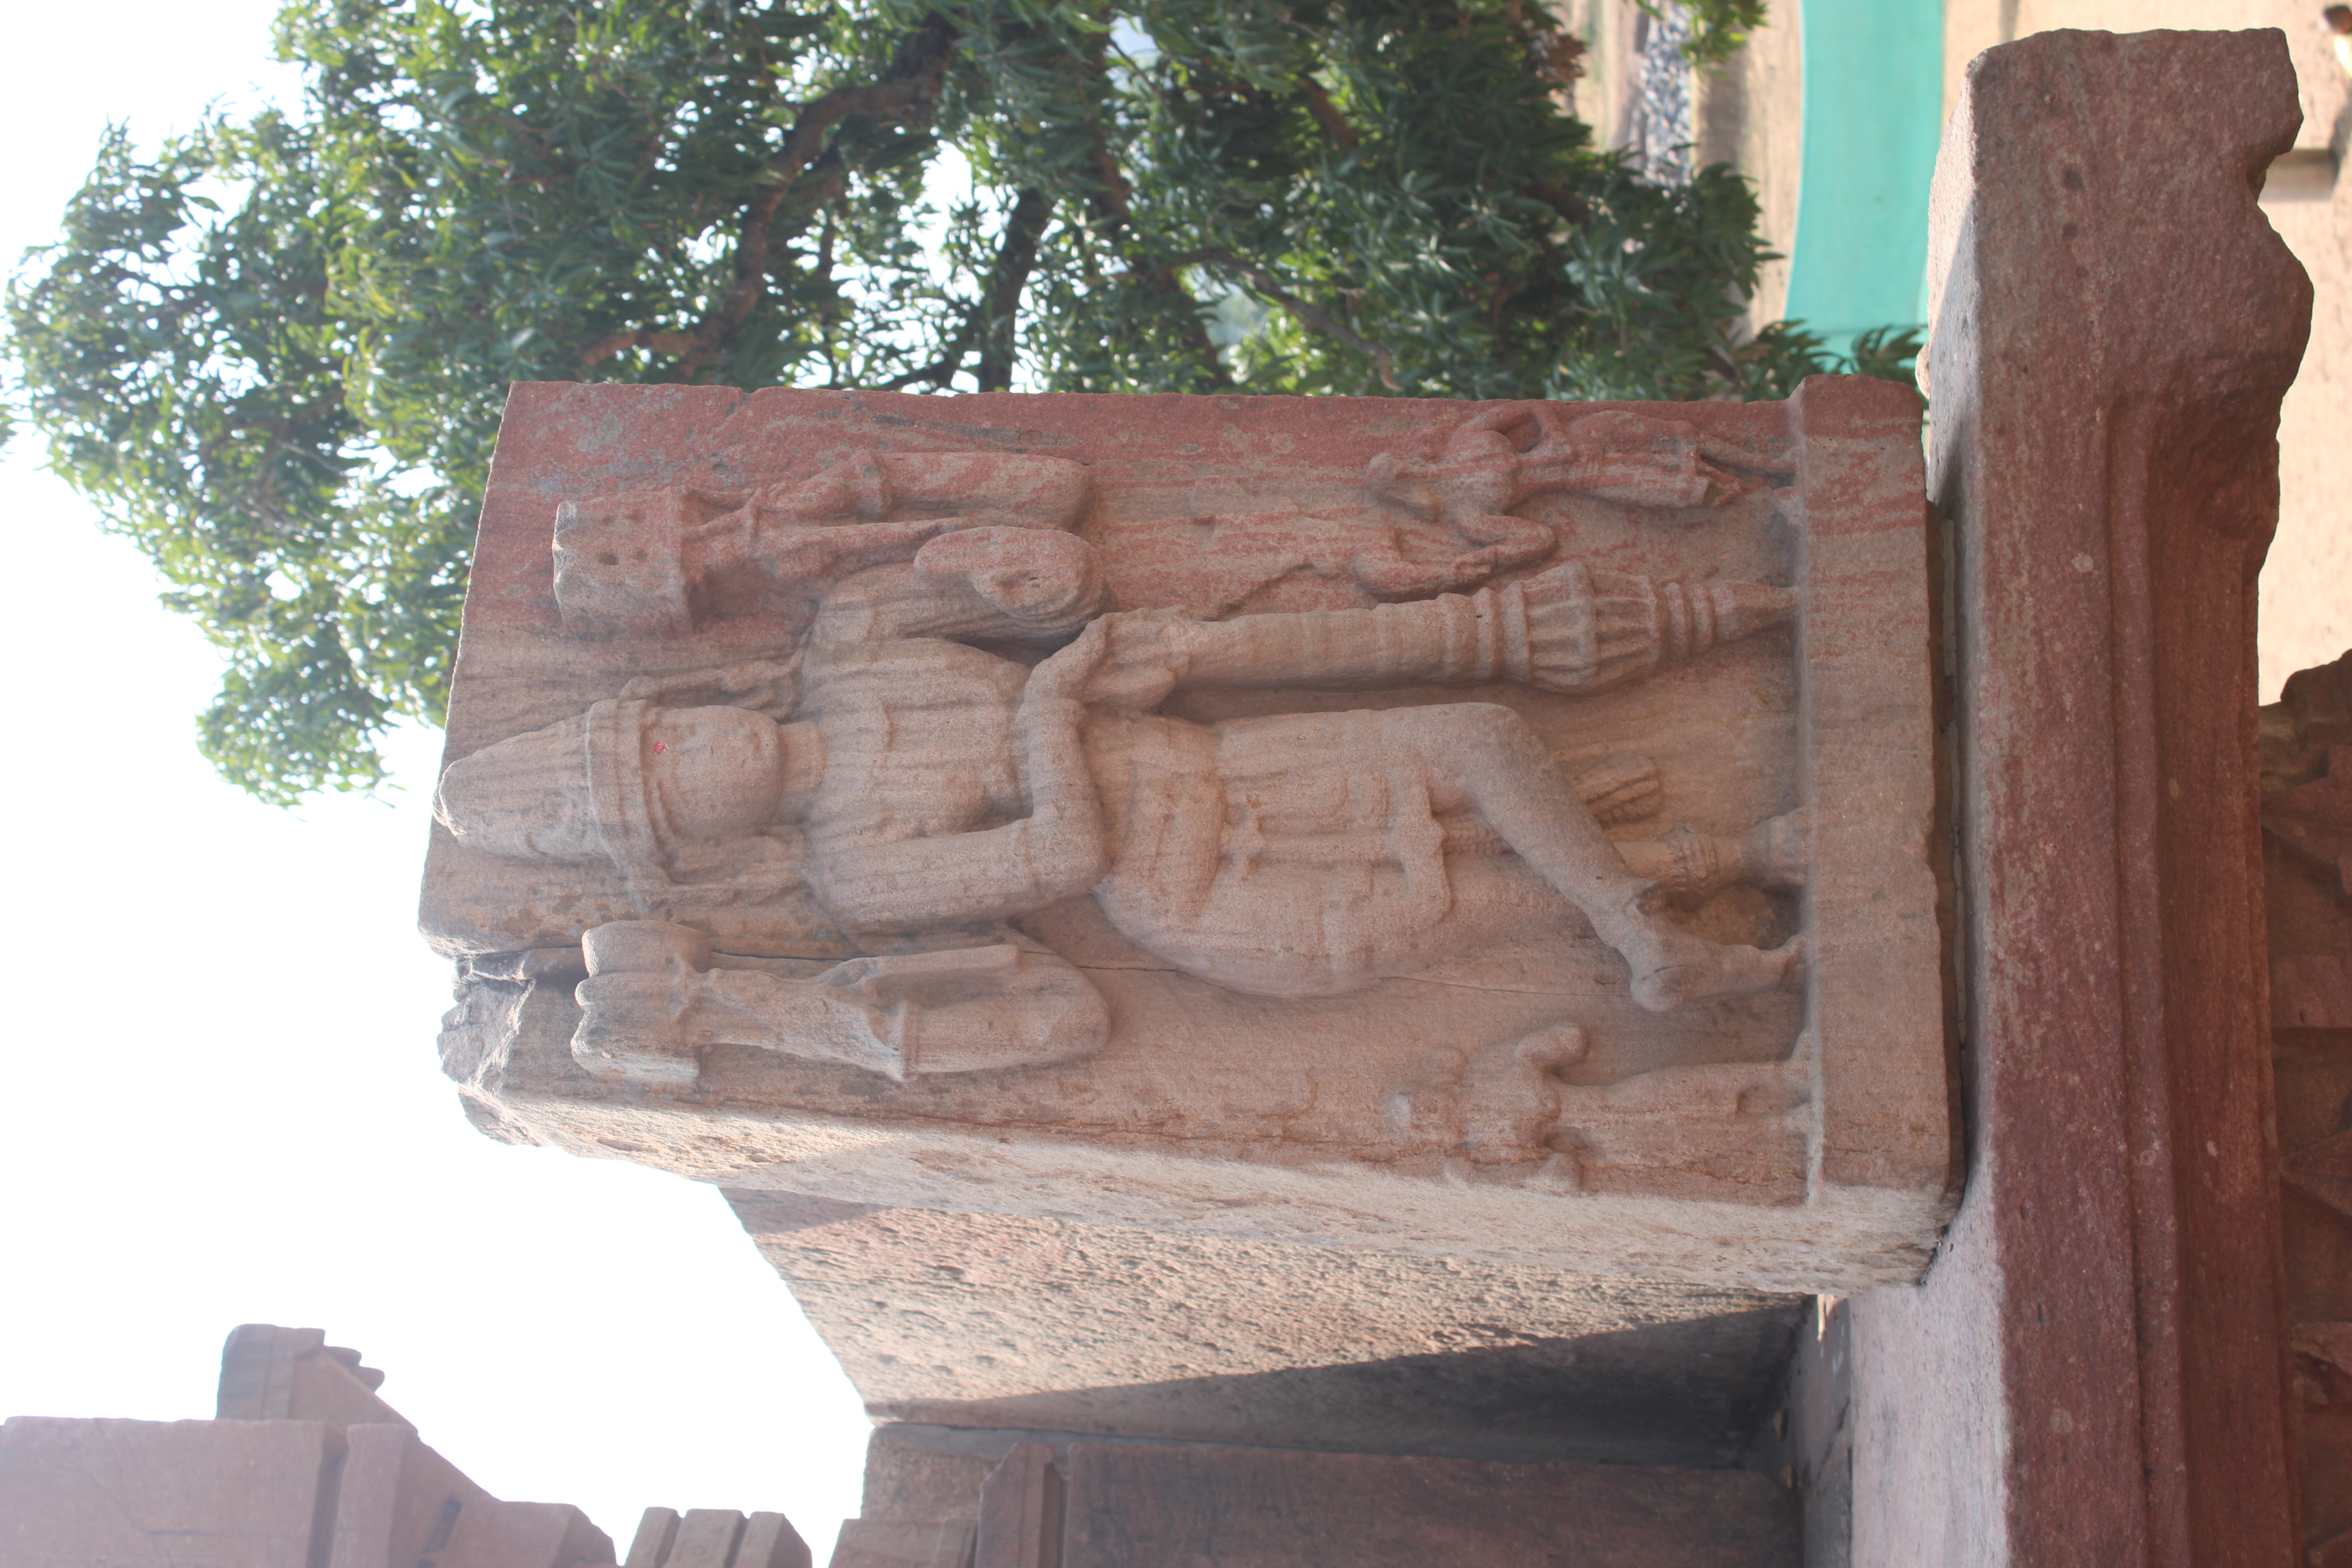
(575,791)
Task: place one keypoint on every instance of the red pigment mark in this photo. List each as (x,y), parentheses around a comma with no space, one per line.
(660,746)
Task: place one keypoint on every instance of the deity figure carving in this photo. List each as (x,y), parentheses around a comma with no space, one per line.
(1502,831)
(963,728)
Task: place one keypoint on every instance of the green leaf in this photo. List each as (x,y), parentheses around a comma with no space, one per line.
(273,352)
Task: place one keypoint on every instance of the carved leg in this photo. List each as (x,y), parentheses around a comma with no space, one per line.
(1486,758)
(1620,787)
(1698,866)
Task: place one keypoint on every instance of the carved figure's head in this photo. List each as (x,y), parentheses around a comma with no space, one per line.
(1035,575)
(629,782)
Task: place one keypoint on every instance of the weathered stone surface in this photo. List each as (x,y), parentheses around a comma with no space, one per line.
(2094,1371)
(1021,1511)
(1137,1504)
(307,1485)
(1144,1506)
(2307,832)
(930,1472)
(256,1494)
(275,1493)
(904,1544)
(527,1535)
(714,1538)
(398,1501)
(2307,756)
(1003,1322)
(273,1373)
(769,1540)
(1224,815)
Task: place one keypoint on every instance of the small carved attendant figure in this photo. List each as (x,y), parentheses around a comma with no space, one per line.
(928,785)
(1422,527)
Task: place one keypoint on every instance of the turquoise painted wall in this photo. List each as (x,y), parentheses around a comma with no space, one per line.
(1873,84)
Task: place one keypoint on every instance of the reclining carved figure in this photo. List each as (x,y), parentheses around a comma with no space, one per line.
(929,784)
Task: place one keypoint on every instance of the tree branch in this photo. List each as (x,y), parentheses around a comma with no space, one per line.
(1000,306)
(1326,114)
(1313,317)
(943,370)
(905,92)
(1565,202)
(1107,205)
(825,183)
(993,317)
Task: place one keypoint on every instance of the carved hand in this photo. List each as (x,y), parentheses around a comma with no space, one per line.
(1479,475)
(644,979)
(1505,544)
(1064,814)
(1063,677)
(1625,456)
(648,1007)
(1484,473)
(1034,576)
(1478,484)
(652,1027)
(1129,660)
(1498,458)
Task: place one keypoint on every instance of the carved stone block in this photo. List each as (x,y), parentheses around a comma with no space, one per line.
(1500,830)
(975,1322)
(140,1494)
(1140,1505)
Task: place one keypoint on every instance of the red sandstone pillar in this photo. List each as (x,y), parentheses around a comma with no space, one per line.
(2094,1370)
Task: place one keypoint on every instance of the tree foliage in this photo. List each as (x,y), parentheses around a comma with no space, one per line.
(1717,27)
(274,351)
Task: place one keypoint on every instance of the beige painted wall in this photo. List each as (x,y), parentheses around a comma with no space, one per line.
(2306,592)
(1750,114)
(1772,144)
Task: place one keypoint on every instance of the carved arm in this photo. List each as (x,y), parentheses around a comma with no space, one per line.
(799,533)
(661,563)
(1057,852)
(1568,629)
(1453,639)
(974,584)
(1490,465)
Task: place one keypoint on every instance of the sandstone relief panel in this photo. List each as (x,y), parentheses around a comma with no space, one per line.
(1217,813)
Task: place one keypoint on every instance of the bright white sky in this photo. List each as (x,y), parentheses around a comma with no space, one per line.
(224,1104)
